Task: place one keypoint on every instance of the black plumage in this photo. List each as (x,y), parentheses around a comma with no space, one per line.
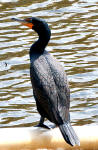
(49,82)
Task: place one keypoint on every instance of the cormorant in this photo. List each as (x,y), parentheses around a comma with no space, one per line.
(49,82)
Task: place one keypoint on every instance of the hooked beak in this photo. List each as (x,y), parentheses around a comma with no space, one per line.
(27,22)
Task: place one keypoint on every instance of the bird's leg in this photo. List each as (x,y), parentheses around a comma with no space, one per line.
(41,120)
(41,123)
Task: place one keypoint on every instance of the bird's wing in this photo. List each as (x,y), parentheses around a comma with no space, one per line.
(50,80)
(62,87)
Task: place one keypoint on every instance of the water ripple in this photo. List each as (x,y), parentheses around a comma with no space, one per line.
(74,43)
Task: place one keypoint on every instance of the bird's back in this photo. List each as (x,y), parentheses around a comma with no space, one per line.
(50,87)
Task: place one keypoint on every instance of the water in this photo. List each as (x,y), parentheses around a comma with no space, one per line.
(74,26)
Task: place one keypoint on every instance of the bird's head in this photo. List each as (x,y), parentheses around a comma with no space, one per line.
(39,25)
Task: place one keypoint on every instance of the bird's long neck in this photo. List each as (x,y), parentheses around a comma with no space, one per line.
(41,43)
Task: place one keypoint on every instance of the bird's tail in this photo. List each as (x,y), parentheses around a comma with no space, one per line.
(69,134)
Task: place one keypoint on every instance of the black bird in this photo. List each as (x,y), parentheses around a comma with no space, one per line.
(49,82)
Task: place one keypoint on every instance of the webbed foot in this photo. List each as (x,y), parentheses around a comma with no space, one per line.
(42,125)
